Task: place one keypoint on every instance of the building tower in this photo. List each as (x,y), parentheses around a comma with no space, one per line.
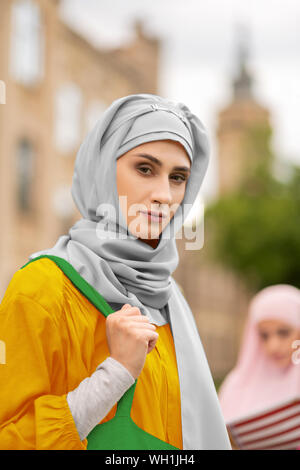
(236,120)
(219,298)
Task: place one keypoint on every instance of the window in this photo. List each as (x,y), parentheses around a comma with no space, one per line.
(27,43)
(67,122)
(93,114)
(24,167)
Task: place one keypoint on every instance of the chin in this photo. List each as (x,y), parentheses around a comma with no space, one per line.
(148,234)
(283,363)
(145,231)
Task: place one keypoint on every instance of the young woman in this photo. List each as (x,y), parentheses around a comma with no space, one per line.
(268,368)
(98,319)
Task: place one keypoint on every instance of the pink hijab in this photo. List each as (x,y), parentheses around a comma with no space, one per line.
(256,383)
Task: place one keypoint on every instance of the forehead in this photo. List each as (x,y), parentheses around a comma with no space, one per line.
(169,150)
(271,325)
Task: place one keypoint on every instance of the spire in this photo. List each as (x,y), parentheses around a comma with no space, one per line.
(139,27)
(242,84)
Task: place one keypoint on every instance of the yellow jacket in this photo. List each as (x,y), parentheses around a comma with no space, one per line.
(54,337)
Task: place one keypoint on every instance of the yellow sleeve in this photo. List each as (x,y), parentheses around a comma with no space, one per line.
(34,413)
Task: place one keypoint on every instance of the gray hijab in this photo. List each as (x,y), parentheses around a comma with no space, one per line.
(124,269)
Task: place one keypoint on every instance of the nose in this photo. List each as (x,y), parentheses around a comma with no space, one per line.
(161,192)
(273,344)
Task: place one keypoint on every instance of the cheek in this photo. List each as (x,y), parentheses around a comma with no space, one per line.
(131,192)
(294,337)
(125,182)
(178,195)
(265,346)
(177,198)
(285,345)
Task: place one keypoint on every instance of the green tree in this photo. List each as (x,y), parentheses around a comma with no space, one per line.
(256,229)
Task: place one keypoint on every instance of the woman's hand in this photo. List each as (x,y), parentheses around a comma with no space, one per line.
(130,337)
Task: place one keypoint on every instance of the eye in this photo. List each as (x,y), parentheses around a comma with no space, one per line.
(283,333)
(263,336)
(181,178)
(144,169)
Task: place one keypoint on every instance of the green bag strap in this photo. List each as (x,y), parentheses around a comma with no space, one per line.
(125,402)
(85,288)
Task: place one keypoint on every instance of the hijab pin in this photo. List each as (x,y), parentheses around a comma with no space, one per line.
(157,107)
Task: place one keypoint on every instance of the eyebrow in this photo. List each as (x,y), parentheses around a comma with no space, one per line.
(159,163)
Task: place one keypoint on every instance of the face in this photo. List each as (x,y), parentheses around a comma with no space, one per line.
(276,339)
(151,179)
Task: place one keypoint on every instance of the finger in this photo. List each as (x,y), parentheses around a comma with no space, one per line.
(137,319)
(141,326)
(151,345)
(150,335)
(130,311)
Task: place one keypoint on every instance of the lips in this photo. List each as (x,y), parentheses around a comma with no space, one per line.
(154,216)
(278,357)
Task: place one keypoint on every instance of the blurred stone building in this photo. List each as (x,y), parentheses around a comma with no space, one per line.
(57,86)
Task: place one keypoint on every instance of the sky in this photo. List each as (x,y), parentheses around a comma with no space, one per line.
(198,57)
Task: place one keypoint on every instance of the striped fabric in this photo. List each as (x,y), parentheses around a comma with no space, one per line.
(276,429)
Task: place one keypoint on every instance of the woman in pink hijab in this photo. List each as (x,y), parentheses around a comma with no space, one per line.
(267,372)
